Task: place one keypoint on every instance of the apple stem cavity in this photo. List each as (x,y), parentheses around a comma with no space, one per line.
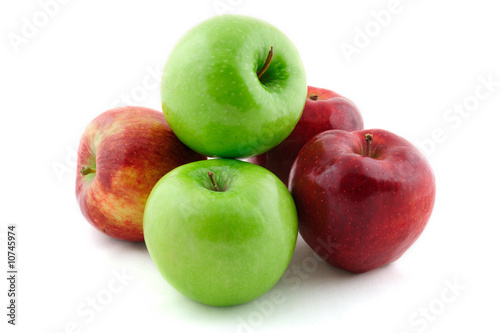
(86,170)
(314,97)
(267,63)
(368,138)
(212,179)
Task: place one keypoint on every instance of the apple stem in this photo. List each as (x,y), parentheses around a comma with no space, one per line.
(314,97)
(368,138)
(86,170)
(266,64)
(212,179)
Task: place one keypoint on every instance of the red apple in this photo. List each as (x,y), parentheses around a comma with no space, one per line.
(363,197)
(324,110)
(122,154)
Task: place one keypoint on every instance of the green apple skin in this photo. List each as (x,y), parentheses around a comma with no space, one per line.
(212,97)
(223,247)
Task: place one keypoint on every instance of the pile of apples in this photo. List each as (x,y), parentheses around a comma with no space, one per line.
(222,230)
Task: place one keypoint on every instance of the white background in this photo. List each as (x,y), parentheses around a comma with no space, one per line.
(89,56)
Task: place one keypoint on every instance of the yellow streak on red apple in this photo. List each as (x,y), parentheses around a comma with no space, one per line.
(131,149)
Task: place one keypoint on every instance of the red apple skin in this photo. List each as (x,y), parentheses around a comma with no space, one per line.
(130,148)
(329,111)
(361,210)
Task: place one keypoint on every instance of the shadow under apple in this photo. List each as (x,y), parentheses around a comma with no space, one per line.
(309,283)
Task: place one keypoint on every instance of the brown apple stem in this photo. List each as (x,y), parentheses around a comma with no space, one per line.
(267,63)
(86,170)
(314,97)
(368,138)
(212,179)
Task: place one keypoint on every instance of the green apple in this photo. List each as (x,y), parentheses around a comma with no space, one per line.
(233,87)
(222,232)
